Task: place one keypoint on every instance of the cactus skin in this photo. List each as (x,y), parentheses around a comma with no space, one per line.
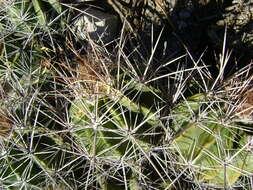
(116,128)
(218,153)
(113,139)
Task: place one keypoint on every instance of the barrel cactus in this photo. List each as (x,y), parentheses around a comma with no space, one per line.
(121,127)
(95,117)
(216,150)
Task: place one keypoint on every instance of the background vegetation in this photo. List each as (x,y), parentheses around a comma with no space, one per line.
(165,105)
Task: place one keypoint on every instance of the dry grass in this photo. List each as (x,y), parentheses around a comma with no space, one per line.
(245,108)
(5,125)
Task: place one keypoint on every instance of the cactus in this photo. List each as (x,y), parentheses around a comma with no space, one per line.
(216,151)
(87,118)
(116,127)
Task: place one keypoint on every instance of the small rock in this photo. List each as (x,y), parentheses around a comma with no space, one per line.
(97,25)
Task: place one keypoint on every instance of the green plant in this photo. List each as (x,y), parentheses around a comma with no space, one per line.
(122,128)
(92,119)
